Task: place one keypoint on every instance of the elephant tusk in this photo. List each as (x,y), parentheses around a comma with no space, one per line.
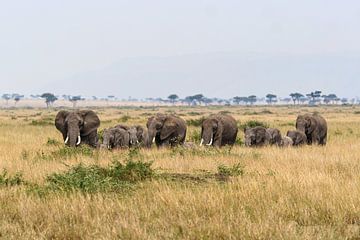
(66,140)
(201,142)
(78,141)
(131,142)
(153,140)
(137,141)
(211,141)
(109,147)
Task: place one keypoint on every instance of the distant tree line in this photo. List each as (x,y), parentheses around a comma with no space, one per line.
(313,98)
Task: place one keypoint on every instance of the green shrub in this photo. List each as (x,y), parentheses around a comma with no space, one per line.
(125,118)
(6,180)
(195,122)
(231,171)
(41,122)
(251,124)
(93,178)
(195,136)
(53,142)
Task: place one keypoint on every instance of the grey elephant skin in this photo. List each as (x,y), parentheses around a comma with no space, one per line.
(122,136)
(275,137)
(166,130)
(287,142)
(218,130)
(298,138)
(114,138)
(78,127)
(256,137)
(314,126)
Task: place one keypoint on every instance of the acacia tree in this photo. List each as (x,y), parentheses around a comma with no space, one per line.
(296,97)
(49,99)
(252,99)
(271,98)
(6,97)
(173,98)
(17,97)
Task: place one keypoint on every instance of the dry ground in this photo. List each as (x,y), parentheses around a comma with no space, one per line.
(295,193)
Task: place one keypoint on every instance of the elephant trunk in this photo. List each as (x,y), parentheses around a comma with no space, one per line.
(207,137)
(73,138)
(152,136)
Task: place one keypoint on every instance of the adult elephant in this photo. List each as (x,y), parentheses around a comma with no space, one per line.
(314,126)
(218,130)
(166,130)
(78,127)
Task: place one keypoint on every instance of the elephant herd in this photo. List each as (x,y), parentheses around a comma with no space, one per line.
(80,127)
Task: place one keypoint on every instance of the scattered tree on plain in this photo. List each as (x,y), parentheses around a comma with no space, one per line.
(49,99)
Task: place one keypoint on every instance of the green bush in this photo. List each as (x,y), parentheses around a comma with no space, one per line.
(231,171)
(93,178)
(7,180)
(53,142)
(41,122)
(195,122)
(251,124)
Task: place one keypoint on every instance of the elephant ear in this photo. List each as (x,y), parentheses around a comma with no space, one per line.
(60,122)
(91,122)
(168,128)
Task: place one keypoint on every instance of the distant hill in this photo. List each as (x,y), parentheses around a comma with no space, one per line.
(219,74)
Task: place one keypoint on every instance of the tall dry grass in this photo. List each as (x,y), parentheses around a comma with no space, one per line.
(295,193)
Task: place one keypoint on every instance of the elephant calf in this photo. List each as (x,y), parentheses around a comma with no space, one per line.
(256,137)
(114,138)
(261,136)
(218,130)
(275,137)
(286,142)
(298,137)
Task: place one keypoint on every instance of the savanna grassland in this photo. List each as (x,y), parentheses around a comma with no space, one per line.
(48,191)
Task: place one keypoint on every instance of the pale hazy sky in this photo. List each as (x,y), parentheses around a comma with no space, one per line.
(43,43)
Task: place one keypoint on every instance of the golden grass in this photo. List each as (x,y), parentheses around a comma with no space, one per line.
(294,193)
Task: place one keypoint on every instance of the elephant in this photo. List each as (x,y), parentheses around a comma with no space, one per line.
(275,136)
(166,130)
(115,138)
(314,126)
(78,127)
(256,137)
(138,135)
(286,141)
(218,130)
(298,138)
(142,136)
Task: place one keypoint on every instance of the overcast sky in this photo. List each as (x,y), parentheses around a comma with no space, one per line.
(45,45)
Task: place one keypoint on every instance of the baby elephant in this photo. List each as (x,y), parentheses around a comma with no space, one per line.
(256,137)
(260,136)
(286,142)
(274,136)
(114,138)
(298,138)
